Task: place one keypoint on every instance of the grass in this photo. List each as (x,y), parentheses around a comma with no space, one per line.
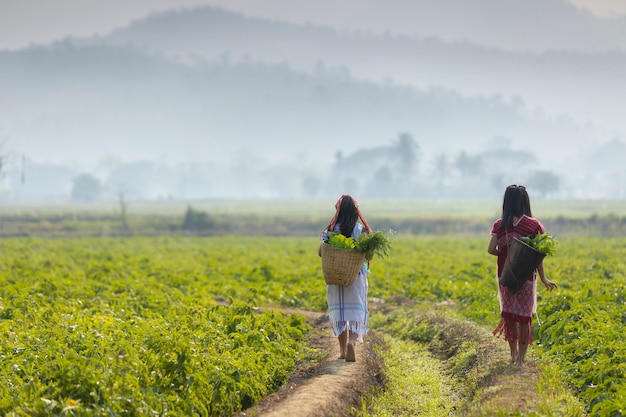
(299,218)
(324,208)
(437,364)
(416,383)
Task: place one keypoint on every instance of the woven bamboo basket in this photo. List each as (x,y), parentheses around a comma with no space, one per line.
(340,266)
(520,263)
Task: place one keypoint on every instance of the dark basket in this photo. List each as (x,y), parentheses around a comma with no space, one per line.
(521,262)
(340,266)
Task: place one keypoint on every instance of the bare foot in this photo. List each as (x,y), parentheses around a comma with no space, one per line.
(342,350)
(350,353)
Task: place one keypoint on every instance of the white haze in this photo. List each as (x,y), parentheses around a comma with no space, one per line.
(274,102)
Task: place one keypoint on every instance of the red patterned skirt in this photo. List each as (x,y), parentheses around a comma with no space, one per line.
(517,313)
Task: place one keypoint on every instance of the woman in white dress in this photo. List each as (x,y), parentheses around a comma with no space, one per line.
(347,306)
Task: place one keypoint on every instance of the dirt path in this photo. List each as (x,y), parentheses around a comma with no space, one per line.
(333,386)
(330,387)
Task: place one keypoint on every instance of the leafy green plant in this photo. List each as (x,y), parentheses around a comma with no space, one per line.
(543,243)
(337,240)
(374,243)
(101,327)
(135,325)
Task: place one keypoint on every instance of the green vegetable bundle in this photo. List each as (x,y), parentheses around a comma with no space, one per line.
(374,243)
(543,243)
(338,240)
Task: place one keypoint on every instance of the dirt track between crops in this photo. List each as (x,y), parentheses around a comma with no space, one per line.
(329,388)
(334,387)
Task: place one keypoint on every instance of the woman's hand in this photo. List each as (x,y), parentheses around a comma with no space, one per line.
(549,284)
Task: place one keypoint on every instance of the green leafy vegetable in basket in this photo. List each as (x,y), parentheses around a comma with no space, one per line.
(543,243)
(338,240)
(374,243)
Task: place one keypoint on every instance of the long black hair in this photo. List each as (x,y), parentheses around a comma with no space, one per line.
(526,198)
(348,216)
(516,203)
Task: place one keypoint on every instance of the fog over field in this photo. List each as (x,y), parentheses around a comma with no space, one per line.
(400,99)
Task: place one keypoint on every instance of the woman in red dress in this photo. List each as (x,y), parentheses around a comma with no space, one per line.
(516,307)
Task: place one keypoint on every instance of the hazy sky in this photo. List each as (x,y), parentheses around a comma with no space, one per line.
(40,21)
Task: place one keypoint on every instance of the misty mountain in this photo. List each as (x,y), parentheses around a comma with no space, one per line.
(92,101)
(584,85)
(516,25)
(265,108)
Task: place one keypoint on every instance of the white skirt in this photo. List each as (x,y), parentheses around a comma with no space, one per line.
(347,306)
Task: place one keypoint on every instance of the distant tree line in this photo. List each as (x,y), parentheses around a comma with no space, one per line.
(202,223)
(392,172)
(397,169)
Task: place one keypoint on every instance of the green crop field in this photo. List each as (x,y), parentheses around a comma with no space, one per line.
(167,325)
